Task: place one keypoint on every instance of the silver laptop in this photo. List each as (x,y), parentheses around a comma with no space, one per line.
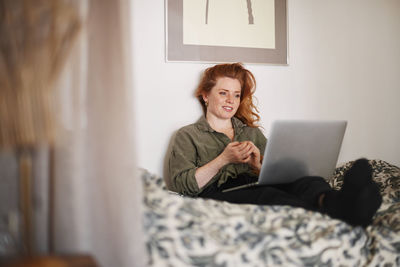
(300,148)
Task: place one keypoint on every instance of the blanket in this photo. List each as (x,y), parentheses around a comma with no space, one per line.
(183,231)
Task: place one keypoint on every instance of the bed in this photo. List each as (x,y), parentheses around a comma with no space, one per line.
(183,231)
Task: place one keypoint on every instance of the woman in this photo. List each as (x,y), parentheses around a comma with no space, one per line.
(225,146)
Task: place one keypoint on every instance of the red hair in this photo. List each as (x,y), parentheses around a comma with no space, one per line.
(247,111)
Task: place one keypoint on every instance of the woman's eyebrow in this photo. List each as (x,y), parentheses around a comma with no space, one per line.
(236,92)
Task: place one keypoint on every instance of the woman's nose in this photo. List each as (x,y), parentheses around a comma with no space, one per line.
(229,99)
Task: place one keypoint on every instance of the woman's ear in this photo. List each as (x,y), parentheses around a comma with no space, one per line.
(205,97)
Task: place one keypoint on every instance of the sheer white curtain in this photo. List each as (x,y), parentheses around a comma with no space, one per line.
(97,190)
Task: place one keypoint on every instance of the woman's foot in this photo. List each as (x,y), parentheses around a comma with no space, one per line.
(358,199)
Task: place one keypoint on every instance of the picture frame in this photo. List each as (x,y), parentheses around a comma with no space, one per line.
(190,40)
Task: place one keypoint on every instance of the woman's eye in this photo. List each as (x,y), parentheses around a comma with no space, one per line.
(222,93)
(237,96)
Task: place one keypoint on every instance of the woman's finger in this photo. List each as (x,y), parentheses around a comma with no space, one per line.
(245,147)
(247,159)
(234,144)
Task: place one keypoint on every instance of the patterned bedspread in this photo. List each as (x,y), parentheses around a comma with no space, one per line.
(182,231)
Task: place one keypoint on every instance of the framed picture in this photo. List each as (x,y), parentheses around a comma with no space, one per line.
(248,31)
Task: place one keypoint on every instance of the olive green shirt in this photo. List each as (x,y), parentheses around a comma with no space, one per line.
(197,144)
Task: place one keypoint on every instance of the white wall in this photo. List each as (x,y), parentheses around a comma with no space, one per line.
(344,64)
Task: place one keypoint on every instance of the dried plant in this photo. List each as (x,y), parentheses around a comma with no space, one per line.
(35,38)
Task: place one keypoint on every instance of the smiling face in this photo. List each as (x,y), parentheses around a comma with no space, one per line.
(223,99)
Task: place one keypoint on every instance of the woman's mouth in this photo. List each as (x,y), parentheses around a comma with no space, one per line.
(229,109)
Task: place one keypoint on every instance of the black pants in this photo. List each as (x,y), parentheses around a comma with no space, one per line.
(303,192)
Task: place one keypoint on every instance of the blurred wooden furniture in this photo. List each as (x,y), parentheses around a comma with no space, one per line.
(52,261)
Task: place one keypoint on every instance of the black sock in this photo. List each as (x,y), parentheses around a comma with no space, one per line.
(358,199)
(358,176)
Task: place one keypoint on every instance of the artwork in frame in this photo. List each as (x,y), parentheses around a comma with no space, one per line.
(248,31)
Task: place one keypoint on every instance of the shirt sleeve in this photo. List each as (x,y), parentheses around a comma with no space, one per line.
(260,140)
(183,164)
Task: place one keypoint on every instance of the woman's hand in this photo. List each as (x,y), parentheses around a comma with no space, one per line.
(255,157)
(242,152)
(236,152)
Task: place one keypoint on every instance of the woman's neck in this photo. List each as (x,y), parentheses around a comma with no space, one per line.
(221,125)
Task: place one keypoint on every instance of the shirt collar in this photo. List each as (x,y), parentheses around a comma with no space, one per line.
(203,125)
